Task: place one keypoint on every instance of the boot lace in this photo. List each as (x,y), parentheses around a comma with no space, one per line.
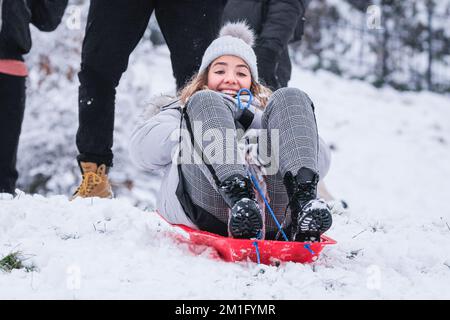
(90,180)
(238,189)
(304,193)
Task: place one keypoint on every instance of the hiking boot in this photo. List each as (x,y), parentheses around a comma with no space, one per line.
(245,221)
(310,216)
(95,182)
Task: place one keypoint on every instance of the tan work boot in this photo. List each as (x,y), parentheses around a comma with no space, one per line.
(95,182)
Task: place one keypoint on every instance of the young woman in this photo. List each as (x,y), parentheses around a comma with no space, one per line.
(223,102)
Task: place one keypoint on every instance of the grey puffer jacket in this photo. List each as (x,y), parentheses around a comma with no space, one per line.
(154,146)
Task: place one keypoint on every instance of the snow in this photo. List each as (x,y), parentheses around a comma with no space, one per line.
(390,164)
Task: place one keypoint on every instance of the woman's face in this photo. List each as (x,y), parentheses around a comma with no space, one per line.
(229,74)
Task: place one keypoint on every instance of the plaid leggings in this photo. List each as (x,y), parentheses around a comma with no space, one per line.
(289,110)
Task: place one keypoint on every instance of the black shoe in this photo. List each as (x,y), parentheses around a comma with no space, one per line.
(245,220)
(310,216)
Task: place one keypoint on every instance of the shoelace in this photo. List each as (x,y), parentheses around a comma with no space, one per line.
(239,189)
(303,190)
(90,179)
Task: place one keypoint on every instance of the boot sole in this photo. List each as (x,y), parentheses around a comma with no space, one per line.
(316,221)
(246,223)
(313,225)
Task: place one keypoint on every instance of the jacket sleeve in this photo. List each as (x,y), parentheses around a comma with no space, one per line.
(47,14)
(153,142)
(300,28)
(279,24)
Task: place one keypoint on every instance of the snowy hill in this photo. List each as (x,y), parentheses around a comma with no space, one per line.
(390,163)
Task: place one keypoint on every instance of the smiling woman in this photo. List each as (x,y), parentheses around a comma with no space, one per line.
(229,74)
(217,195)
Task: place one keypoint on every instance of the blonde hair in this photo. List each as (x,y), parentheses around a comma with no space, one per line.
(200,82)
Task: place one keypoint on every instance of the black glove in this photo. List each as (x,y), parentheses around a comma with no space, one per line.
(267,64)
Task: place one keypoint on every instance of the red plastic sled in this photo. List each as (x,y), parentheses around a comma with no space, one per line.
(270,252)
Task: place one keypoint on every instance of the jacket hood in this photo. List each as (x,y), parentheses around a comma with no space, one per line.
(158,103)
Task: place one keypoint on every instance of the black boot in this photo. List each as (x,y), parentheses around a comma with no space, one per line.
(310,216)
(245,220)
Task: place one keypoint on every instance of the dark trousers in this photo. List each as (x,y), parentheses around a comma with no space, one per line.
(113,30)
(12,106)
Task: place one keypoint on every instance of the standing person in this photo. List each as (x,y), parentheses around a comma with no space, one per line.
(113,30)
(276,23)
(215,194)
(15,41)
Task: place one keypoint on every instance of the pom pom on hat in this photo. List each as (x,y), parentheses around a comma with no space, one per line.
(238,30)
(235,39)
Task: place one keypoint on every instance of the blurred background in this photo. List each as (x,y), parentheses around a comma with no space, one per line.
(403,45)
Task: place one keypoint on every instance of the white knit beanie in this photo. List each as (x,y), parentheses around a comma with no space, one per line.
(235,39)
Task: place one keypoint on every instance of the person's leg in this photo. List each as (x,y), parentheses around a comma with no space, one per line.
(208,109)
(188,28)
(113,30)
(278,197)
(219,184)
(12,106)
(214,212)
(212,122)
(292,113)
(200,188)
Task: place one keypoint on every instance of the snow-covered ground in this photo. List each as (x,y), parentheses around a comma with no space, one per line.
(390,163)
(391,154)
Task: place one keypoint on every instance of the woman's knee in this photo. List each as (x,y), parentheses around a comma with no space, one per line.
(203,96)
(287,94)
(288,91)
(288,97)
(200,100)
(204,102)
